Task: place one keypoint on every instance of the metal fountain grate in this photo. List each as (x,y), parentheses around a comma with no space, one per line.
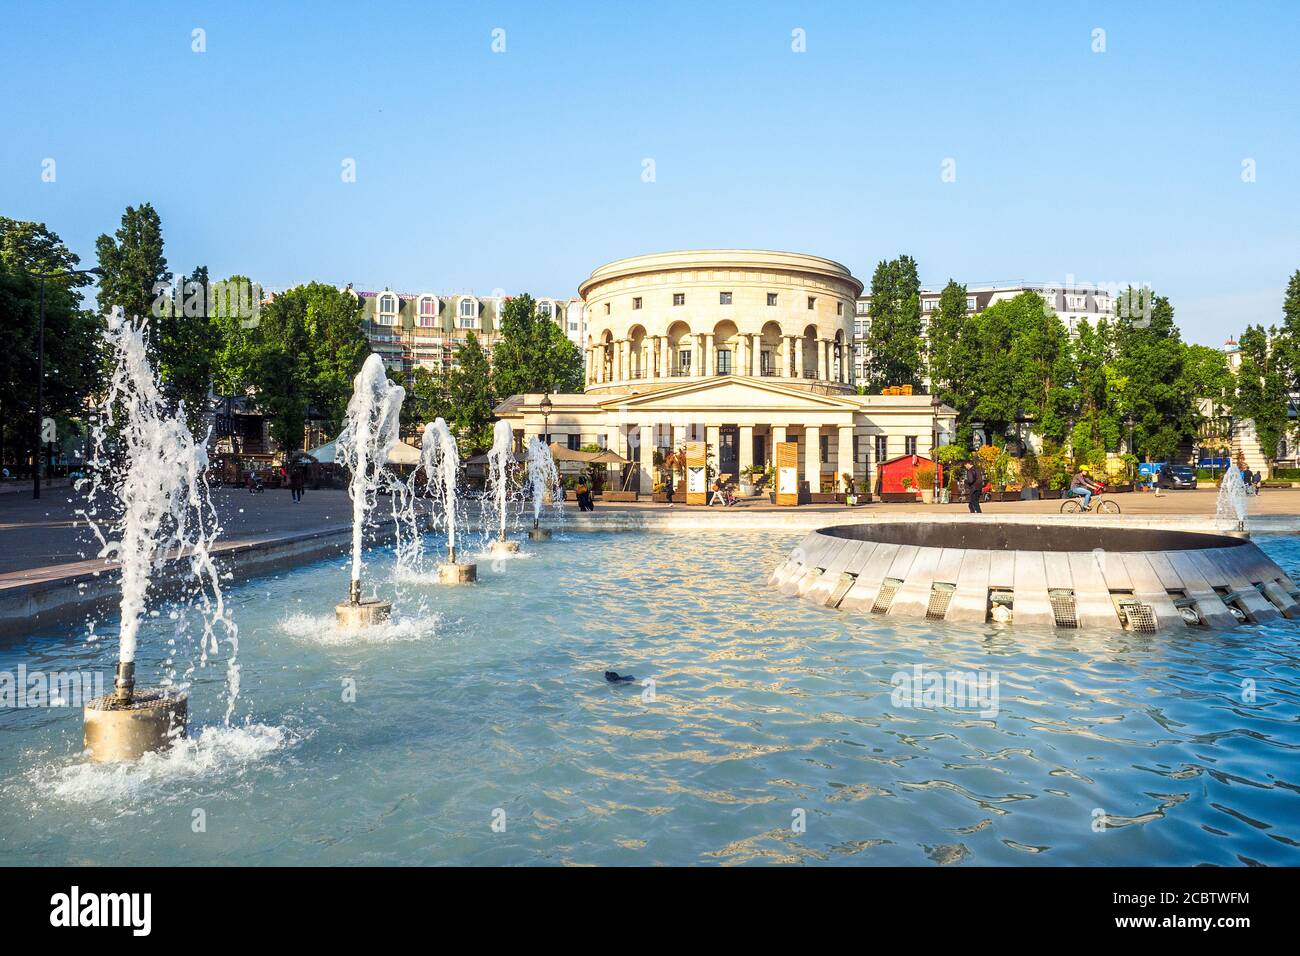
(842,587)
(1063,607)
(885,598)
(940,598)
(1137,616)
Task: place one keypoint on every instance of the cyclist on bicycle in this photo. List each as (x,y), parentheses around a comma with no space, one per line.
(1082,486)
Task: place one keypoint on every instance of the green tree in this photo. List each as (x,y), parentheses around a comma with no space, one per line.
(472,399)
(185,342)
(73,340)
(307,347)
(1149,358)
(233,321)
(428,396)
(133,263)
(533,353)
(1289,337)
(1098,388)
(895,343)
(1263,385)
(948,365)
(1017,361)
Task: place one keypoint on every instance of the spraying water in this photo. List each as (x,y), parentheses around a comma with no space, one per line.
(363,447)
(1232,505)
(441,461)
(147,464)
(543,476)
(502,439)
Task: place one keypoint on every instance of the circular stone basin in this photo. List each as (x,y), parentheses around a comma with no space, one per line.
(1047,574)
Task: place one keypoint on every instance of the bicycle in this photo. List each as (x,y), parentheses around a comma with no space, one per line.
(1106,506)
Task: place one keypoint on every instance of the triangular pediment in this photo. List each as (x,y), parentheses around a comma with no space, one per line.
(732,391)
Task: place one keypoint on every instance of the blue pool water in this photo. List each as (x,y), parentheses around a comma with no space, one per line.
(772,736)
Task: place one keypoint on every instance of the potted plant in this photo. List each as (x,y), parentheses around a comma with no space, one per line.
(925,483)
(746,483)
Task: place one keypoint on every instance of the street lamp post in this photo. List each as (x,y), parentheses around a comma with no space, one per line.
(934,444)
(545,408)
(38,458)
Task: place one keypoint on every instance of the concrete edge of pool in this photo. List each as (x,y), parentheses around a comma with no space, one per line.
(62,593)
(1058,574)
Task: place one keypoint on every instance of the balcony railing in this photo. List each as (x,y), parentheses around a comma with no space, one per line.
(810,373)
(768,372)
(679,372)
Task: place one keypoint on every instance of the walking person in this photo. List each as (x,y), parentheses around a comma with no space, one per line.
(582,491)
(668,488)
(297,481)
(973,484)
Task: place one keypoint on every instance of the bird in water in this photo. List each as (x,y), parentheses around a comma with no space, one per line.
(616,678)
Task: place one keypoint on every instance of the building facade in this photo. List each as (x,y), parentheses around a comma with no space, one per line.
(425,329)
(741,349)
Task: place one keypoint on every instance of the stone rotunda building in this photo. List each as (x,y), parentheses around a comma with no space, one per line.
(738,348)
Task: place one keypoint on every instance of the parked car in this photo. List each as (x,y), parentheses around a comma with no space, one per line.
(1184,476)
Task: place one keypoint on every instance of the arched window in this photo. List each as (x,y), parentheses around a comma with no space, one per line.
(467,313)
(427,312)
(387,312)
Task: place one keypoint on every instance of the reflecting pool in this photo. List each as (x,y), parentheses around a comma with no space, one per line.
(478,728)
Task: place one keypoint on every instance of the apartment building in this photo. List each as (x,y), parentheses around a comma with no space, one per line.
(425,329)
(1072,303)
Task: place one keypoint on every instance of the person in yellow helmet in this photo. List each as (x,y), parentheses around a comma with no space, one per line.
(1082,486)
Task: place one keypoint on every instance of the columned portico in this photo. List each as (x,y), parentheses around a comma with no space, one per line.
(812,459)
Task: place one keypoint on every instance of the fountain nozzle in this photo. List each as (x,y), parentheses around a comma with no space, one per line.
(124,684)
(354,591)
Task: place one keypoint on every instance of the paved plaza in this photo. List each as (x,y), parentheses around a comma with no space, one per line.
(44,539)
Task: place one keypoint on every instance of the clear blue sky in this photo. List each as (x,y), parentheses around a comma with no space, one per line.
(523,170)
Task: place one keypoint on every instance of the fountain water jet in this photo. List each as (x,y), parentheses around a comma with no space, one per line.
(502,439)
(371,432)
(441,461)
(1232,506)
(544,477)
(162,508)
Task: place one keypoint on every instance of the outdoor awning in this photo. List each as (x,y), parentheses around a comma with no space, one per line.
(483,459)
(325,453)
(606,457)
(401,454)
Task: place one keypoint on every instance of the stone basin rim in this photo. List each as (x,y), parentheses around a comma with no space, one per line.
(1006,536)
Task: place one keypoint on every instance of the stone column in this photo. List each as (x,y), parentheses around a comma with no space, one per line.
(844,463)
(707,352)
(614,442)
(812,460)
(787,354)
(798,357)
(647,477)
(746,439)
(679,436)
(778,434)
